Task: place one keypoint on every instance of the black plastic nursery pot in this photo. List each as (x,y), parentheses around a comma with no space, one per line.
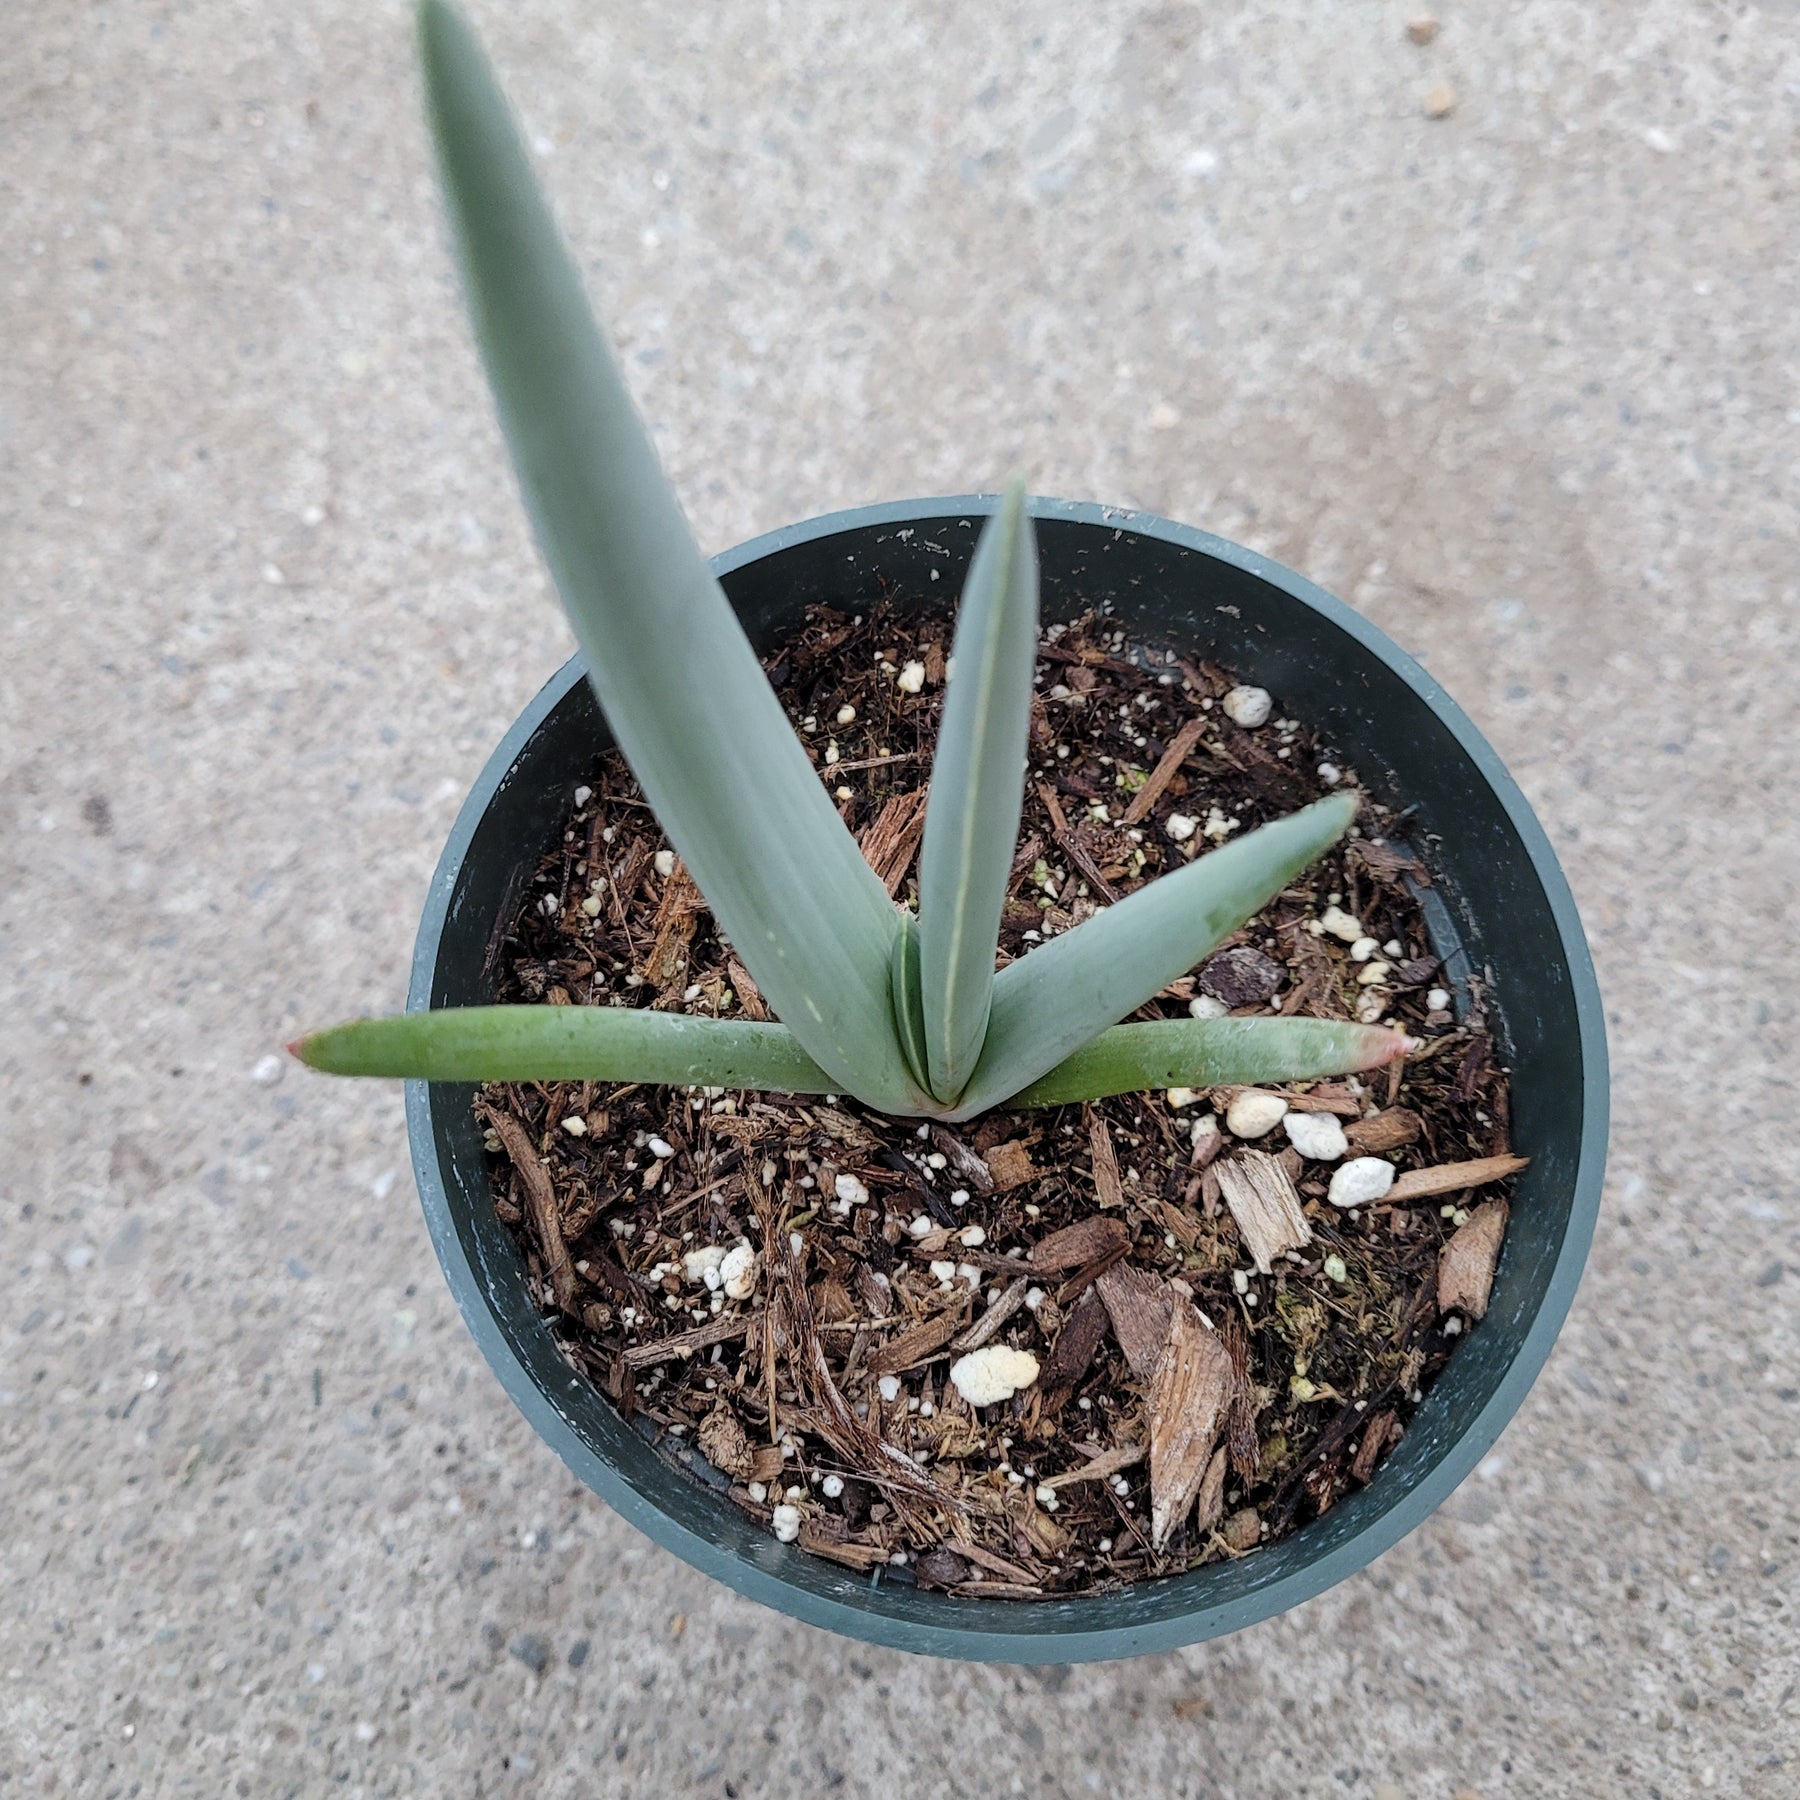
(1499,907)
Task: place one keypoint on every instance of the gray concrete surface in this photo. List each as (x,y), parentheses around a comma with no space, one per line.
(1522,383)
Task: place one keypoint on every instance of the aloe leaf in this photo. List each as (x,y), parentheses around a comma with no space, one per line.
(908,1020)
(1202,1053)
(1063,994)
(972,816)
(568,1043)
(678,681)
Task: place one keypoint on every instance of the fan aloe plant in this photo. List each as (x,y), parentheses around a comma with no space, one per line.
(904,1011)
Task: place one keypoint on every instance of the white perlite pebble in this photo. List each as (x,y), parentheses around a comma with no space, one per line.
(1363,949)
(920,1226)
(1180,827)
(832,1487)
(737,1273)
(1375,973)
(943,1271)
(1317,1135)
(889,1386)
(1438,1000)
(1180,1097)
(697,1265)
(1248,706)
(911,679)
(1254,1114)
(1341,924)
(1204,1006)
(1206,1126)
(786,1521)
(987,1376)
(971,1237)
(575,1125)
(846,715)
(851,1191)
(660,1149)
(665,863)
(1330,774)
(1360,1180)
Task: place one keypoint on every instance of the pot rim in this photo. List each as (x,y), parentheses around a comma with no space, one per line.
(1040,1631)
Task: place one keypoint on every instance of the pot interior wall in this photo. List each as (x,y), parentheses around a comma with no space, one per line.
(1325,667)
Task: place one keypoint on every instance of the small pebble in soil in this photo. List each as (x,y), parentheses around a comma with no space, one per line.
(1330,774)
(785,1522)
(1254,1114)
(1317,1135)
(1180,1097)
(1034,1298)
(1360,1180)
(737,1273)
(1363,949)
(911,679)
(1242,977)
(583,795)
(1438,1000)
(702,1266)
(846,715)
(575,1125)
(1180,827)
(1206,1126)
(1375,973)
(832,1487)
(660,1149)
(1335,1269)
(1204,1006)
(920,1226)
(1341,924)
(665,863)
(758,1491)
(851,1191)
(971,1237)
(994,1373)
(889,1386)
(1248,706)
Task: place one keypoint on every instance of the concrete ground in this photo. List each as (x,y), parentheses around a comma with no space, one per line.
(1520,382)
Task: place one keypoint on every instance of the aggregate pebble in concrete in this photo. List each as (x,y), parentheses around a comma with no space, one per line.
(1516,382)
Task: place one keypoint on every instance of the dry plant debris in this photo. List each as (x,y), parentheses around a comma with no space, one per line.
(1201,1352)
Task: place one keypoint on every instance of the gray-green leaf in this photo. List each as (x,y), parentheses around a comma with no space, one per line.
(568,1043)
(972,817)
(1202,1053)
(679,683)
(1063,994)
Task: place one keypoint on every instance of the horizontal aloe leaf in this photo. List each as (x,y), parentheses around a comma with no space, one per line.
(972,816)
(1202,1053)
(568,1043)
(678,681)
(1066,992)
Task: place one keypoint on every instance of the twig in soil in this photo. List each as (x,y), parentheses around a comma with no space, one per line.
(1264,1204)
(685,1343)
(1449,1178)
(995,1316)
(1165,771)
(540,1198)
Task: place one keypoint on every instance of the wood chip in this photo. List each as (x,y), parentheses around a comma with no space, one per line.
(677,914)
(1451,1178)
(1168,767)
(1264,1204)
(1138,1306)
(1076,1245)
(1240,1430)
(684,1343)
(1383,1133)
(1011,1166)
(986,1559)
(1109,1191)
(1109,1462)
(862,1557)
(1466,1263)
(969,1168)
(1188,1399)
(724,1442)
(1075,1344)
(1374,1440)
(995,1316)
(1209,1503)
(749,995)
(892,839)
(540,1202)
(919,1345)
(768,1464)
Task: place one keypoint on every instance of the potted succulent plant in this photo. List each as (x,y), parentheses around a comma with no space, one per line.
(904,1010)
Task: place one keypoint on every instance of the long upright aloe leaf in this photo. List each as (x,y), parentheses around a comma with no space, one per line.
(568,1043)
(677,678)
(972,817)
(1051,1002)
(1202,1053)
